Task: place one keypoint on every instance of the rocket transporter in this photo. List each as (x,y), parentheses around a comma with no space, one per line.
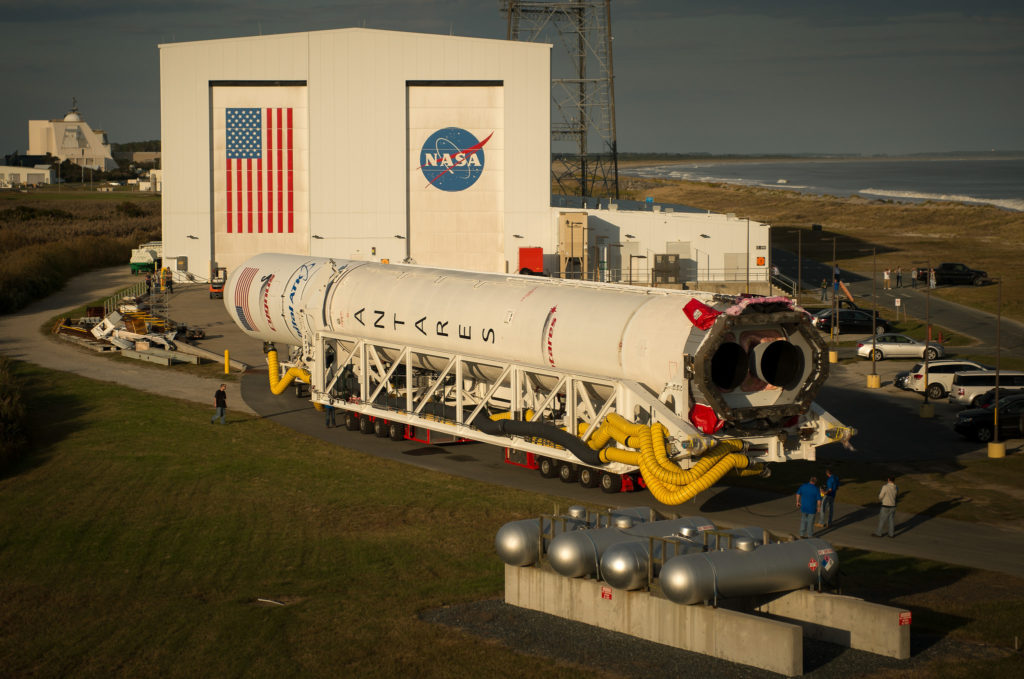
(601,383)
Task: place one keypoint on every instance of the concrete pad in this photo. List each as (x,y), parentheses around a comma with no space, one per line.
(844,620)
(738,637)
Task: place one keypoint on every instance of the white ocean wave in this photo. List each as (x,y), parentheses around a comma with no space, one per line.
(1014,204)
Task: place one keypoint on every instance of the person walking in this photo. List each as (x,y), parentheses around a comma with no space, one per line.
(887,514)
(899,277)
(220,399)
(828,500)
(885,280)
(808,501)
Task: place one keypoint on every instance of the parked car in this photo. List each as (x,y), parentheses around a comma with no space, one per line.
(989,397)
(979,423)
(850,320)
(893,345)
(954,273)
(940,375)
(969,386)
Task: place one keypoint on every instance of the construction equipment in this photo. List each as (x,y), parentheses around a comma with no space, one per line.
(217,281)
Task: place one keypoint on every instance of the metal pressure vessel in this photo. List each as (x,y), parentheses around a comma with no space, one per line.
(625,565)
(658,338)
(579,553)
(691,578)
(518,542)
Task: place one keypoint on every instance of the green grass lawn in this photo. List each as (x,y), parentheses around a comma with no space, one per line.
(138,540)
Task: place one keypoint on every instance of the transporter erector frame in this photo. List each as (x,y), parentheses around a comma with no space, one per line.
(580,379)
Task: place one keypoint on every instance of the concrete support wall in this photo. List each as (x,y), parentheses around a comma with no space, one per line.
(738,637)
(846,621)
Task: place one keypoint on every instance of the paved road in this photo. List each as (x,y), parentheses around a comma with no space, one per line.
(895,433)
(916,302)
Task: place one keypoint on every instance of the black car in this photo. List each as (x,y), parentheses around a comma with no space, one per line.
(850,320)
(979,423)
(989,397)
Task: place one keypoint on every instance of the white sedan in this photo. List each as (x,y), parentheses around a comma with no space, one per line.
(892,345)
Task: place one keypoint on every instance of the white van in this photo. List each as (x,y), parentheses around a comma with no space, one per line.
(968,386)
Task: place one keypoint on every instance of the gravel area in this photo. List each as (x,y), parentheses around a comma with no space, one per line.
(615,654)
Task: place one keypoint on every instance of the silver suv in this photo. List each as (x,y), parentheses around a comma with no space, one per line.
(940,375)
(969,387)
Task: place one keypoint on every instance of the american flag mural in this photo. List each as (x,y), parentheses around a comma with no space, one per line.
(242,297)
(259,170)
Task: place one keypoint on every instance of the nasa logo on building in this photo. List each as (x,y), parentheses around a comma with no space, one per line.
(452,159)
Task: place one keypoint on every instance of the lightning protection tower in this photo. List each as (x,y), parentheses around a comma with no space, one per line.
(584,152)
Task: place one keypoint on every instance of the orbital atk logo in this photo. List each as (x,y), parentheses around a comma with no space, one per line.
(452,159)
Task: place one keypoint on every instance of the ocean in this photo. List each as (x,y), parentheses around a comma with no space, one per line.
(995,181)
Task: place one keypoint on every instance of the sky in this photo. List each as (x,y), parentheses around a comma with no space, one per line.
(722,77)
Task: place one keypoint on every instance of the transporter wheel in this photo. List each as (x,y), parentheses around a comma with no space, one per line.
(351,421)
(589,477)
(396,431)
(611,483)
(568,472)
(931,354)
(547,467)
(877,355)
(365,426)
(936,391)
(380,428)
(983,434)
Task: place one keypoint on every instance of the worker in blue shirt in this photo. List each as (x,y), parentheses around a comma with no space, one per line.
(828,500)
(808,501)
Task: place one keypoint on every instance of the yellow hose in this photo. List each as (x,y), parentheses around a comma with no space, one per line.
(279,384)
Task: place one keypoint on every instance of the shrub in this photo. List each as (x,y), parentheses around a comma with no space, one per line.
(13,441)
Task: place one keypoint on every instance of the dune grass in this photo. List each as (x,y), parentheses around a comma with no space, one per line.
(139,540)
(902,234)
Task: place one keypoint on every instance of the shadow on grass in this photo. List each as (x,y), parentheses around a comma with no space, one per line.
(52,415)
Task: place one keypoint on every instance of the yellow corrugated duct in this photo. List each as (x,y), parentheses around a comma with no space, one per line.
(671,494)
(279,384)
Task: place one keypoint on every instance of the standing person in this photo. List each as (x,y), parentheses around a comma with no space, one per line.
(329,416)
(899,277)
(220,399)
(824,289)
(808,501)
(887,514)
(913,278)
(828,500)
(885,280)
(931,278)
(149,284)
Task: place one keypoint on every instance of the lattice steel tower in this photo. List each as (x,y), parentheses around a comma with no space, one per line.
(584,153)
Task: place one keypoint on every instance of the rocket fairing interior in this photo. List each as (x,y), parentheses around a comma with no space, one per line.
(439,349)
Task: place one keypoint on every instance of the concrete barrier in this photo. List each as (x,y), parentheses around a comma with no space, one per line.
(846,621)
(738,637)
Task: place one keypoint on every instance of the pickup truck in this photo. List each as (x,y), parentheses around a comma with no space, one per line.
(954,273)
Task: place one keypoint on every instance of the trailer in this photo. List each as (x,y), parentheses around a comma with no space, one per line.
(609,385)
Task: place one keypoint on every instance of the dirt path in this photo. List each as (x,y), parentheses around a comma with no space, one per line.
(20,339)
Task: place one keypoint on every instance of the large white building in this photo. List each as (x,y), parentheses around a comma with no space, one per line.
(379,145)
(71,138)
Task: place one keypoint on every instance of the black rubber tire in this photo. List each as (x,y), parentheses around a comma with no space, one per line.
(978,281)
(590,477)
(380,428)
(983,434)
(396,431)
(611,483)
(931,354)
(365,425)
(547,467)
(351,421)
(568,472)
(878,354)
(936,391)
